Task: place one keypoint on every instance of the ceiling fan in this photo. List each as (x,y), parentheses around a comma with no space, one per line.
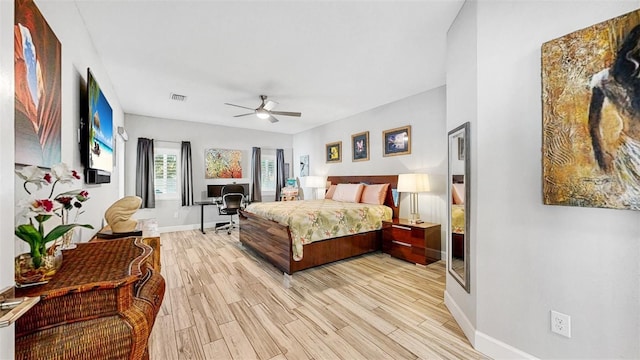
(265,110)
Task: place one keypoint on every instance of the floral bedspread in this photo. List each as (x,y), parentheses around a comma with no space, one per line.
(314,220)
(457,219)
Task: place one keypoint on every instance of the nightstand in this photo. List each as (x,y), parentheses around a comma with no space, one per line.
(417,243)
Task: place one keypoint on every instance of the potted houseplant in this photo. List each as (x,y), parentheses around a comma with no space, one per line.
(38,264)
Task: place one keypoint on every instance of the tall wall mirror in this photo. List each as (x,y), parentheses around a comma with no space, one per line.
(459,194)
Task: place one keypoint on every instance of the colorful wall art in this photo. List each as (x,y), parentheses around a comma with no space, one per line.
(37,57)
(591,116)
(222,163)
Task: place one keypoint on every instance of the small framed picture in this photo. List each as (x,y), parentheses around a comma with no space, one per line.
(334,152)
(360,146)
(304,165)
(397,141)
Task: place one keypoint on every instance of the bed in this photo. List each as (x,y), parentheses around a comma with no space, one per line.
(273,240)
(458,220)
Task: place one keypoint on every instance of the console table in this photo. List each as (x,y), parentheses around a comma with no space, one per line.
(101,304)
(150,236)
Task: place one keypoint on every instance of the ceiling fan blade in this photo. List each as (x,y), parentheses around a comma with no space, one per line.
(270,105)
(272,119)
(244,114)
(244,107)
(287,113)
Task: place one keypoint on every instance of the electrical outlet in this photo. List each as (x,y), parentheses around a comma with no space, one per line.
(176,214)
(561,323)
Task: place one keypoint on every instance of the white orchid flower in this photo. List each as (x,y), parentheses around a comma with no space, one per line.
(24,209)
(33,174)
(62,173)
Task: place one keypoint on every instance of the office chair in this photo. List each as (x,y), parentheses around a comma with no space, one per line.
(232,201)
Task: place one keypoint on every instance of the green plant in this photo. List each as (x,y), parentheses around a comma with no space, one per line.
(43,209)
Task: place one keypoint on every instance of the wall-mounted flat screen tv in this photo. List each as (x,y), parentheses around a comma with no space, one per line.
(97,134)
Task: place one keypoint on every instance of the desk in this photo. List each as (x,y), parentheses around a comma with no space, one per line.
(202,205)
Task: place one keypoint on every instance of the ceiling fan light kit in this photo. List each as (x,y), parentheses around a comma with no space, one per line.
(265,110)
(262,113)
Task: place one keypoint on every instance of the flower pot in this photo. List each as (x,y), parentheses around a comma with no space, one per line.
(26,274)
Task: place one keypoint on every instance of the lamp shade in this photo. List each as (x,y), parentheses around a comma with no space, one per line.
(413,183)
(314,181)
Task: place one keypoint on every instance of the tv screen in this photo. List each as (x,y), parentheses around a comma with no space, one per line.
(100,128)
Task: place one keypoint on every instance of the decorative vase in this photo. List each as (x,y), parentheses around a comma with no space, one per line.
(26,274)
(67,240)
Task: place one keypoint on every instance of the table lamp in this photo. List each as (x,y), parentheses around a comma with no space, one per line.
(315,182)
(413,184)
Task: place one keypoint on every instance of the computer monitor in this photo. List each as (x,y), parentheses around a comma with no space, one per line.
(214,191)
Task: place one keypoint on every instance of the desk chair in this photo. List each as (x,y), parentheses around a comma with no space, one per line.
(232,201)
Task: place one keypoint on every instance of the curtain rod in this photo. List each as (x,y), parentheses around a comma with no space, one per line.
(175,142)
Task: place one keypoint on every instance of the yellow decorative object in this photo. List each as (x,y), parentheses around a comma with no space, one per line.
(119,214)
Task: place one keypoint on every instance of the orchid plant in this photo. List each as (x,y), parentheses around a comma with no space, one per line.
(42,209)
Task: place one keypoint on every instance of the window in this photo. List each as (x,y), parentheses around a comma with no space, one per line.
(268,173)
(166,173)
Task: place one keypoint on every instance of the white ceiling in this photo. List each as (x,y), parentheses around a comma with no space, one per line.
(328,60)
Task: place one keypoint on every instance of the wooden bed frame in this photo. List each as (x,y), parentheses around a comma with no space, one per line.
(272,240)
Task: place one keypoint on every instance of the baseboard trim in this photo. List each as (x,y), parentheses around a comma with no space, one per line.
(461,318)
(164,229)
(497,349)
(480,341)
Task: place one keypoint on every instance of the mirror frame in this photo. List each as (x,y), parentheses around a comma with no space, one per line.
(464,129)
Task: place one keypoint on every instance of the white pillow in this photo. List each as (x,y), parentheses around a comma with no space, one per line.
(348,192)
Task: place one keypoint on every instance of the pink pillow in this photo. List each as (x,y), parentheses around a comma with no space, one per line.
(457,191)
(374,194)
(329,194)
(348,192)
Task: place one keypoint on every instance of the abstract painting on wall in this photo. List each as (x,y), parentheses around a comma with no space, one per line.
(222,163)
(591,116)
(304,165)
(37,57)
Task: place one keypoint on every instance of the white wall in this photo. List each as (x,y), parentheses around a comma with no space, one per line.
(462,106)
(6,165)
(533,258)
(425,112)
(77,54)
(171,215)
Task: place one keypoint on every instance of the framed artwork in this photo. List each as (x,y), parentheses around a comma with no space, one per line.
(222,164)
(333,152)
(590,152)
(397,141)
(360,146)
(304,165)
(38,88)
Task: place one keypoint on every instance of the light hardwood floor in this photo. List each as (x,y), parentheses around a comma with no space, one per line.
(224,302)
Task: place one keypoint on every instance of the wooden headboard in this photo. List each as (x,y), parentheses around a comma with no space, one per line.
(392,180)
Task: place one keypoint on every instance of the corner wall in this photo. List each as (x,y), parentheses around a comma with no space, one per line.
(531,258)
(7,202)
(462,107)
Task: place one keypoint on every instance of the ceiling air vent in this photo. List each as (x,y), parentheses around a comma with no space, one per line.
(178,97)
